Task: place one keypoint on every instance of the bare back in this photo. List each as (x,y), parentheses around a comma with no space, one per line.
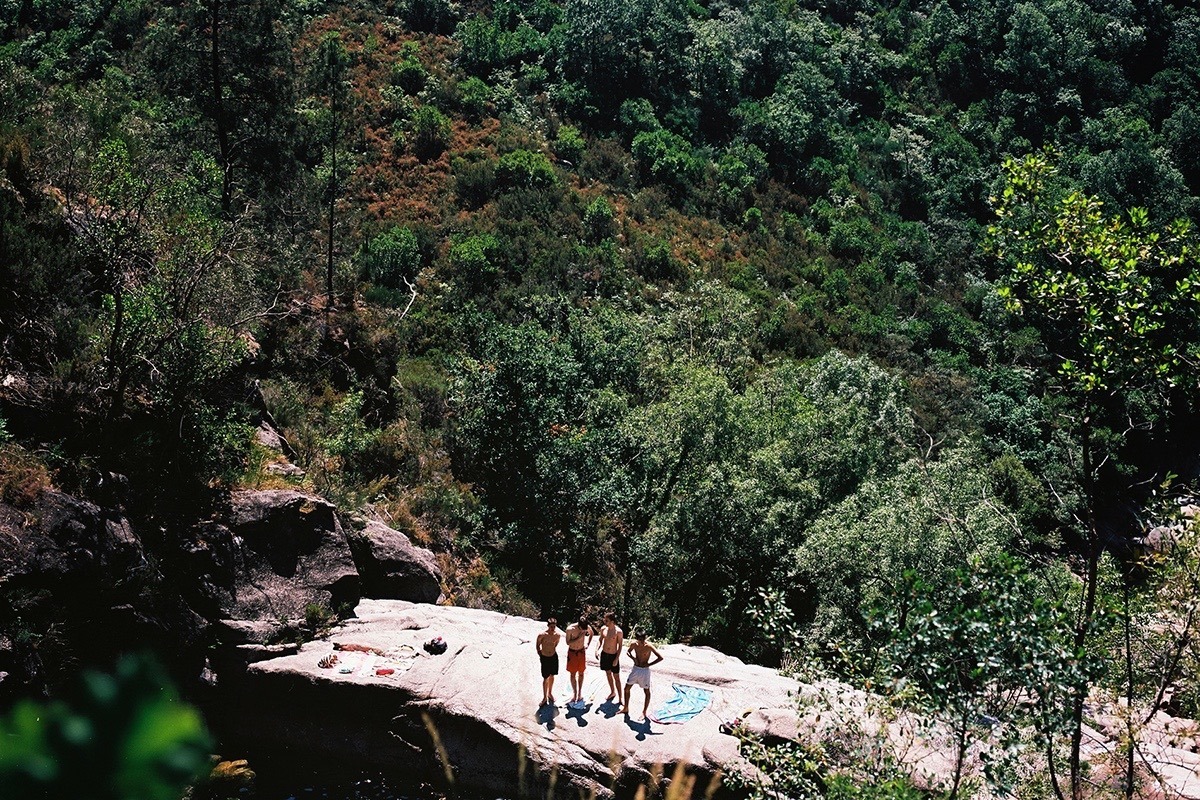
(641,652)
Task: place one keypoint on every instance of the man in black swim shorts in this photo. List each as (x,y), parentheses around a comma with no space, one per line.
(547,649)
(609,653)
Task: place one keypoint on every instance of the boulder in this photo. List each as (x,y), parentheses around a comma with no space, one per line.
(80,579)
(67,538)
(393,568)
(268,437)
(281,551)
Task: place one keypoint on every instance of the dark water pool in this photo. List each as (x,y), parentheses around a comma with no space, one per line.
(365,787)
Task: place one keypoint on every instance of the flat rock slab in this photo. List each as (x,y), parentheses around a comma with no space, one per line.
(388,705)
(482,698)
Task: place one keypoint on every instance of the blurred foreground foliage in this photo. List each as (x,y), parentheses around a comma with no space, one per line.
(124,735)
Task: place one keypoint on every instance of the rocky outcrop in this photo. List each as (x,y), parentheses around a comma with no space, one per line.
(89,575)
(76,577)
(1167,757)
(482,698)
(376,706)
(286,550)
(63,537)
(393,568)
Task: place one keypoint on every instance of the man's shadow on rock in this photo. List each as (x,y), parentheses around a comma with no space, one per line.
(546,715)
(577,713)
(642,729)
(608,708)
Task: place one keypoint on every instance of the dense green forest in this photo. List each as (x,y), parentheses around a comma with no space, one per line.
(761,322)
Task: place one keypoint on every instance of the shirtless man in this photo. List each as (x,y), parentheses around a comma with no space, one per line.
(547,649)
(609,653)
(640,651)
(577,656)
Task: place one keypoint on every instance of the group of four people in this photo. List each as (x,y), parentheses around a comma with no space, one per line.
(608,650)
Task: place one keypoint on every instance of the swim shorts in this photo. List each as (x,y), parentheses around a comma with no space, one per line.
(576,660)
(609,662)
(549,665)
(639,676)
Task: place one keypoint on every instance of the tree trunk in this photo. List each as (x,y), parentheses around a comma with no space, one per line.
(218,97)
(117,371)
(333,137)
(1087,613)
(960,756)
(1129,745)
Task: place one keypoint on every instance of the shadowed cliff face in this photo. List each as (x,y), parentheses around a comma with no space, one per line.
(80,587)
(82,584)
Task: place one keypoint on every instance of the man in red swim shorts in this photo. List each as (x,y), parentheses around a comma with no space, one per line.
(577,656)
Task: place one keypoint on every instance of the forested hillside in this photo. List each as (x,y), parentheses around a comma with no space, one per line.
(747,319)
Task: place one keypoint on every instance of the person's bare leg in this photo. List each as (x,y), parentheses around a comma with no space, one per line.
(550,688)
(547,684)
(614,685)
(645,708)
(575,682)
(625,706)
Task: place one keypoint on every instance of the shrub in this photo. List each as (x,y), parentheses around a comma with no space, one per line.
(524,169)
(608,161)
(476,262)
(598,220)
(575,100)
(478,44)
(474,259)
(667,157)
(637,116)
(570,145)
(318,619)
(753,219)
(23,477)
(474,181)
(655,262)
(486,46)
(739,170)
(391,257)
(473,97)
(428,16)
(430,132)
(409,75)
(127,734)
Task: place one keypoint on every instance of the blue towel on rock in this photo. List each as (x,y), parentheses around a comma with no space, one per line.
(687,703)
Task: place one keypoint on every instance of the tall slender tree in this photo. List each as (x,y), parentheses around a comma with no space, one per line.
(1117,302)
(331,78)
